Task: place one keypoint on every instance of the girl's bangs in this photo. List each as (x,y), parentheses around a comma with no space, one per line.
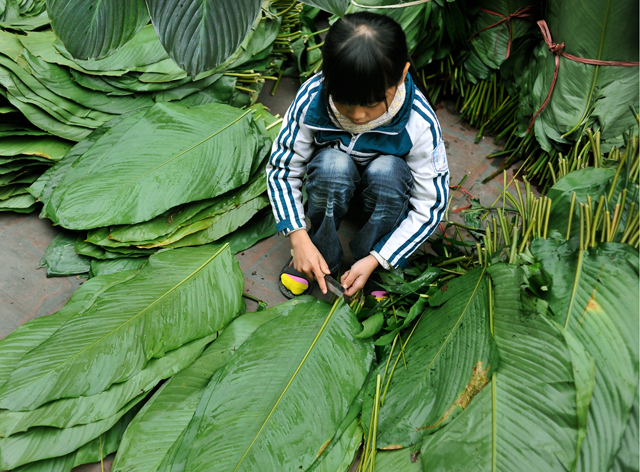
(356,82)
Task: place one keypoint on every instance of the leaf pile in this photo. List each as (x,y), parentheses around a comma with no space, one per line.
(165,177)
(24,155)
(70,378)
(49,99)
(69,98)
(23,15)
(587,95)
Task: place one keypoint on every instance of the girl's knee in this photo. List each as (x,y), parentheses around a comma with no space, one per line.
(390,171)
(333,167)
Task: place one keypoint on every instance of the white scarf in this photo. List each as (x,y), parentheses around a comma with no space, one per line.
(346,124)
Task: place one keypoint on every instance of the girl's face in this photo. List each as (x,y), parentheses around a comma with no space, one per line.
(360,115)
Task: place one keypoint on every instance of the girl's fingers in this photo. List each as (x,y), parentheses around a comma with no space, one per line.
(350,279)
(321,282)
(355,286)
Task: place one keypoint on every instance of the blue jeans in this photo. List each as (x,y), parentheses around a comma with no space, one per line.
(333,179)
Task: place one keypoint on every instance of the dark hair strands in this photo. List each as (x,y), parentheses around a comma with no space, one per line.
(364,55)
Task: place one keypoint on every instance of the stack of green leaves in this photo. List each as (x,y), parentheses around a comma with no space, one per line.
(23,15)
(69,98)
(24,155)
(166,177)
(579,125)
(71,381)
(601,97)
(48,99)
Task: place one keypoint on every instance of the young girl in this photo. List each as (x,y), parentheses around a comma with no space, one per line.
(360,127)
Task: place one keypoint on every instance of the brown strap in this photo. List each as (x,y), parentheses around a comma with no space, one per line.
(524,12)
(557,50)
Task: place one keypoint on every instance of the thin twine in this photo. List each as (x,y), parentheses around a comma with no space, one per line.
(524,12)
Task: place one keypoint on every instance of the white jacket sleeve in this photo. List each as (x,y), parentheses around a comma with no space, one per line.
(427,161)
(287,165)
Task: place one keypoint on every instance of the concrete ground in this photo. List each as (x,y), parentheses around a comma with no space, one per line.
(26,292)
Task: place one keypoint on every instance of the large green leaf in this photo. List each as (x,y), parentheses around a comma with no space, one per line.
(143,51)
(95,29)
(255,410)
(603,315)
(224,224)
(339,454)
(201,34)
(93,451)
(603,30)
(19,204)
(165,416)
(185,220)
(179,152)
(166,301)
(530,417)
(44,443)
(343,452)
(261,226)
(27,24)
(45,185)
(49,147)
(450,354)
(68,412)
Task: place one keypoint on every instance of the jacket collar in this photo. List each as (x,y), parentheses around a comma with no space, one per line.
(317,116)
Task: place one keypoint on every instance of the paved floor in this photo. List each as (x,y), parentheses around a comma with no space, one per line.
(26,293)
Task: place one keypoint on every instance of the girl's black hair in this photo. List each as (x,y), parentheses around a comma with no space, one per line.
(364,54)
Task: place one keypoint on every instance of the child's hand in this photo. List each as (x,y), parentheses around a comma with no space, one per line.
(355,278)
(308,260)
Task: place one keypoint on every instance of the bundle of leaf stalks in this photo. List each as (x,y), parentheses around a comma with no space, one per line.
(445,78)
(599,113)
(585,95)
(166,177)
(71,382)
(545,168)
(23,15)
(481,72)
(306,49)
